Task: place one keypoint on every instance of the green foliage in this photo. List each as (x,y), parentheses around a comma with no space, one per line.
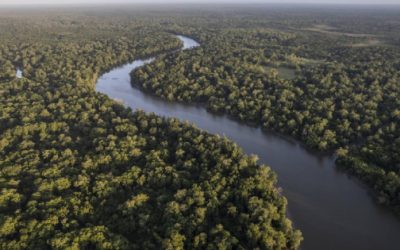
(94,174)
(79,171)
(343,96)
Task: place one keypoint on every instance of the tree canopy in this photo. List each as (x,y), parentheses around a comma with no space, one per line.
(322,78)
(80,171)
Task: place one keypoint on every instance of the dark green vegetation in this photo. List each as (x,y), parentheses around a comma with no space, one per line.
(80,171)
(345,95)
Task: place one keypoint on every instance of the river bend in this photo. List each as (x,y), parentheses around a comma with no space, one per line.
(332,210)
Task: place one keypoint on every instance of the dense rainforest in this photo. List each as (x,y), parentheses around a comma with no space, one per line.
(80,171)
(329,78)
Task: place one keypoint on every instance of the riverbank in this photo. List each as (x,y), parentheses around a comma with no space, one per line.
(331,210)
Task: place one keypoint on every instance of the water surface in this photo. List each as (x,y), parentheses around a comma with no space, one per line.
(18,74)
(332,210)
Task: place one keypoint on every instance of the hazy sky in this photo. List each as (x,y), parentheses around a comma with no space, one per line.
(195,1)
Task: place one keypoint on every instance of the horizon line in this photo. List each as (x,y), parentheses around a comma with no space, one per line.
(199,3)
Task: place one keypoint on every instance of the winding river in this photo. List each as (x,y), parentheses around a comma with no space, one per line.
(332,210)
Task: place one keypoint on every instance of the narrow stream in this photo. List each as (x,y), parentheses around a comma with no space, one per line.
(18,74)
(332,210)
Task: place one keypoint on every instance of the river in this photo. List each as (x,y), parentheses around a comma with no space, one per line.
(332,210)
(18,74)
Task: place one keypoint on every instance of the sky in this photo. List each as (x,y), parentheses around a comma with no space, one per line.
(198,1)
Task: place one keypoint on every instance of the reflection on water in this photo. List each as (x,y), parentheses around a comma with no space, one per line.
(18,73)
(188,43)
(331,210)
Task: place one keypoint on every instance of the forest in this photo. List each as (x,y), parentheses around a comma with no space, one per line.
(80,171)
(324,84)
